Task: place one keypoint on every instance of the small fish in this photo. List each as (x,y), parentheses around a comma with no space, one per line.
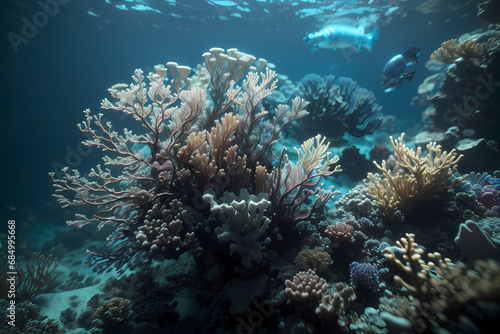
(340,36)
(398,68)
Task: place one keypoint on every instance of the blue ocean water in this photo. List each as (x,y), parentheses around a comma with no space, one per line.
(108,48)
(60,57)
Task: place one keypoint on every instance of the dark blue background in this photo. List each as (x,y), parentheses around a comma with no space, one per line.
(68,66)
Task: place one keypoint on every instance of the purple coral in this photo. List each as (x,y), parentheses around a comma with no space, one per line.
(364,276)
(365,223)
(489,198)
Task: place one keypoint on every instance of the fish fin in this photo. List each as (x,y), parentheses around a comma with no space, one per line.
(374,34)
(390,89)
(362,26)
(361,44)
(412,54)
(370,38)
(409,76)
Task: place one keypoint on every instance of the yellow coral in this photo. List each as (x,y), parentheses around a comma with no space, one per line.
(414,179)
(450,51)
(315,260)
(441,288)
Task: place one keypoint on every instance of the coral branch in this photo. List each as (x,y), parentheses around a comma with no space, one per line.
(291,185)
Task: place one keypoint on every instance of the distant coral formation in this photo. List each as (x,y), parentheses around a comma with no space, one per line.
(337,106)
(464,98)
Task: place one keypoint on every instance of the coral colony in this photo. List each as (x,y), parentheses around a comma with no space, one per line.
(213,225)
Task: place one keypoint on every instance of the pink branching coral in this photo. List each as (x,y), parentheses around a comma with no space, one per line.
(290,185)
(340,233)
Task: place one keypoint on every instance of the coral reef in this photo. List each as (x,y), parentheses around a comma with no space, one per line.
(210,228)
(364,276)
(337,106)
(464,96)
(244,223)
(291,185)
(414,179)
(448,299)
(305,290)
(451,50)
(35,275)
(317,260)
(199,133)
(112,313)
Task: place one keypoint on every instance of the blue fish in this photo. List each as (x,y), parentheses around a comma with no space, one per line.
(340,36)
(398,68)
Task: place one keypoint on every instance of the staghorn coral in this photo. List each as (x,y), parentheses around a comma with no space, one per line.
(450,51)
(317,260)
(290,185)
(223,68)
(454,296)
(211,156)
(250,131)
(414,179)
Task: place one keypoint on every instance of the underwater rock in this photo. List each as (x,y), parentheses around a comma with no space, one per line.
(423,138)
(478,155)
(476,243)
(354,165)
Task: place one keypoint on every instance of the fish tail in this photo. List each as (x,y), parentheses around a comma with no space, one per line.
(370,38)
(409,76)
